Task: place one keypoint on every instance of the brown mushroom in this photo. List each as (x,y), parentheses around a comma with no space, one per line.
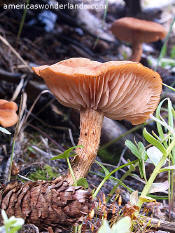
(8,116)
(115,89)
(137,32)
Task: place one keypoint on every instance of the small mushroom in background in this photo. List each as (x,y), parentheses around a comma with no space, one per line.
(137,32)
(8,116)
(120,90)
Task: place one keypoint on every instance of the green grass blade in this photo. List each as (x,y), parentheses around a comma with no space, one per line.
(164,47)
(153,141)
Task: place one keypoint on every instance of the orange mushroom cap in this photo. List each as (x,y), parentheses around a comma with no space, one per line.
(120,89)
(131,29)
(8,116)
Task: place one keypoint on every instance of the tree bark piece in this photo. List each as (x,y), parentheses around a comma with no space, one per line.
(45,204)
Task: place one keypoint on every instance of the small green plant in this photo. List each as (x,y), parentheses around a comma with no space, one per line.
(140,152)
(66,155)
(12,224)
(122,226)
(108,175)
(162,150)
(164,47)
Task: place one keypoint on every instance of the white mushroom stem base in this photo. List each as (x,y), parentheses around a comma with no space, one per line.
(90,132)
(136,52)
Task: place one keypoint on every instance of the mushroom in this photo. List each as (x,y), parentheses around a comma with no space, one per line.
(8,116)
(137,32)
(120,90)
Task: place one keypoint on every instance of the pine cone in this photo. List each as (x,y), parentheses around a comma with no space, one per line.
(44,203)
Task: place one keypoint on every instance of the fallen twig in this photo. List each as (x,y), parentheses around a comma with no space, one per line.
(159,224)
(15,52)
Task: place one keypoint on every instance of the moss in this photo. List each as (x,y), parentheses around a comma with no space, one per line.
(46,173)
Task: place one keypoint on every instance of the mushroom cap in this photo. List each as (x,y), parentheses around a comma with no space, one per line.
(120,89)
(131,29)
(8,116)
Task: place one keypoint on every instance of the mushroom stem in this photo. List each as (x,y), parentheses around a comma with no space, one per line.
(90,132)
(136,51)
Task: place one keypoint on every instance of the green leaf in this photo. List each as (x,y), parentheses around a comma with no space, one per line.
(14,229)
(4,215)
(154,154)
(143,170)
(122,226)
(153,141)
(83,182)
(159,126)
(17,221)
(146,199)
(142,151)
(140,169)
(170,114)
(11,225)
(105,227)
(159,187)
(104,169)
(3,130)
(66,154)
(133,148)
(169,168)
(63,156)
(10,222)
